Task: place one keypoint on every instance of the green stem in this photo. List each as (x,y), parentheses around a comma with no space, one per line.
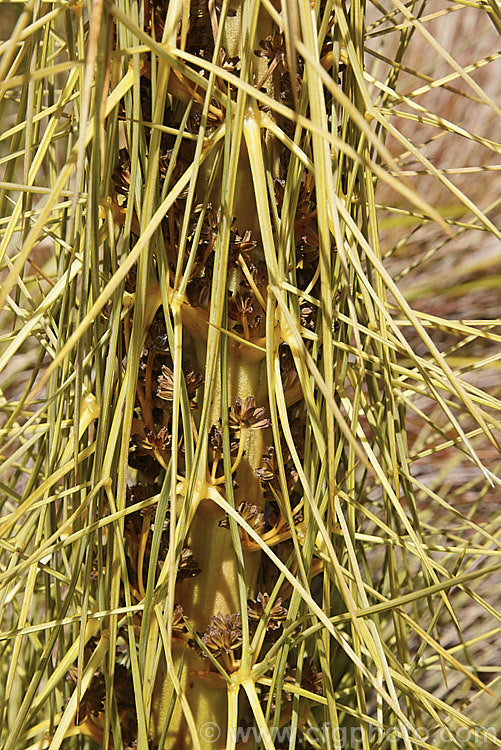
(216,589)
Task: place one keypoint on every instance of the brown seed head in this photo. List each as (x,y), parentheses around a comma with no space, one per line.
(224,634)
(276,616)
(246,414)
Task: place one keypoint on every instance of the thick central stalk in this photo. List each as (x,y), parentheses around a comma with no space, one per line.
(215,590)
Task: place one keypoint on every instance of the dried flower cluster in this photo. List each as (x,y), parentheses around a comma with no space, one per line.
(224,634)
(276,615)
